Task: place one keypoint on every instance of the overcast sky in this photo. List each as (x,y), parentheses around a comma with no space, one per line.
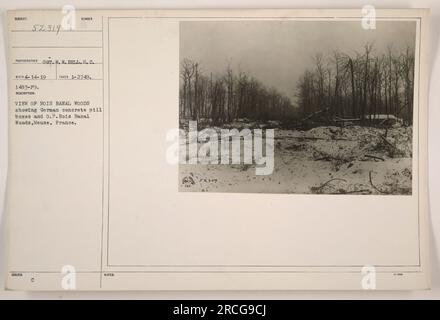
(278,52)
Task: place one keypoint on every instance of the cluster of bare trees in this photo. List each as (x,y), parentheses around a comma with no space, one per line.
(360,86)
(223,98)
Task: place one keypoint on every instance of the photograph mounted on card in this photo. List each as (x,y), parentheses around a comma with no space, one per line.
(218,150)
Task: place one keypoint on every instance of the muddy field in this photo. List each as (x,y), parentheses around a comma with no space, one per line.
(323,160)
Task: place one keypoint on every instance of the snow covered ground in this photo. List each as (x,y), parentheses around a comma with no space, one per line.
(323,160)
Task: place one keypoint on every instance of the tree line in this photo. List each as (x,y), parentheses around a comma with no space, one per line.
(359,86)
(227,96)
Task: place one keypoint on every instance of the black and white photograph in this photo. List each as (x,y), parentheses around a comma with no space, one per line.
(297,106)
(202,152)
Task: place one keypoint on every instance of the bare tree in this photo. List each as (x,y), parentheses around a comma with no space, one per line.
(361,85)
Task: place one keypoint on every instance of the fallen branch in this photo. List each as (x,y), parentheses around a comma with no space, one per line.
(394,150)
(367,191)
(327,182)
(387,142)
(321,155)
(326,158)
(337,119)
(313,138)
(375,188)
(331,139)
(314,114)
(373,157)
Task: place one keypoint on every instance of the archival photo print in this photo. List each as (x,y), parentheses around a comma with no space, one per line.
(297,106)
